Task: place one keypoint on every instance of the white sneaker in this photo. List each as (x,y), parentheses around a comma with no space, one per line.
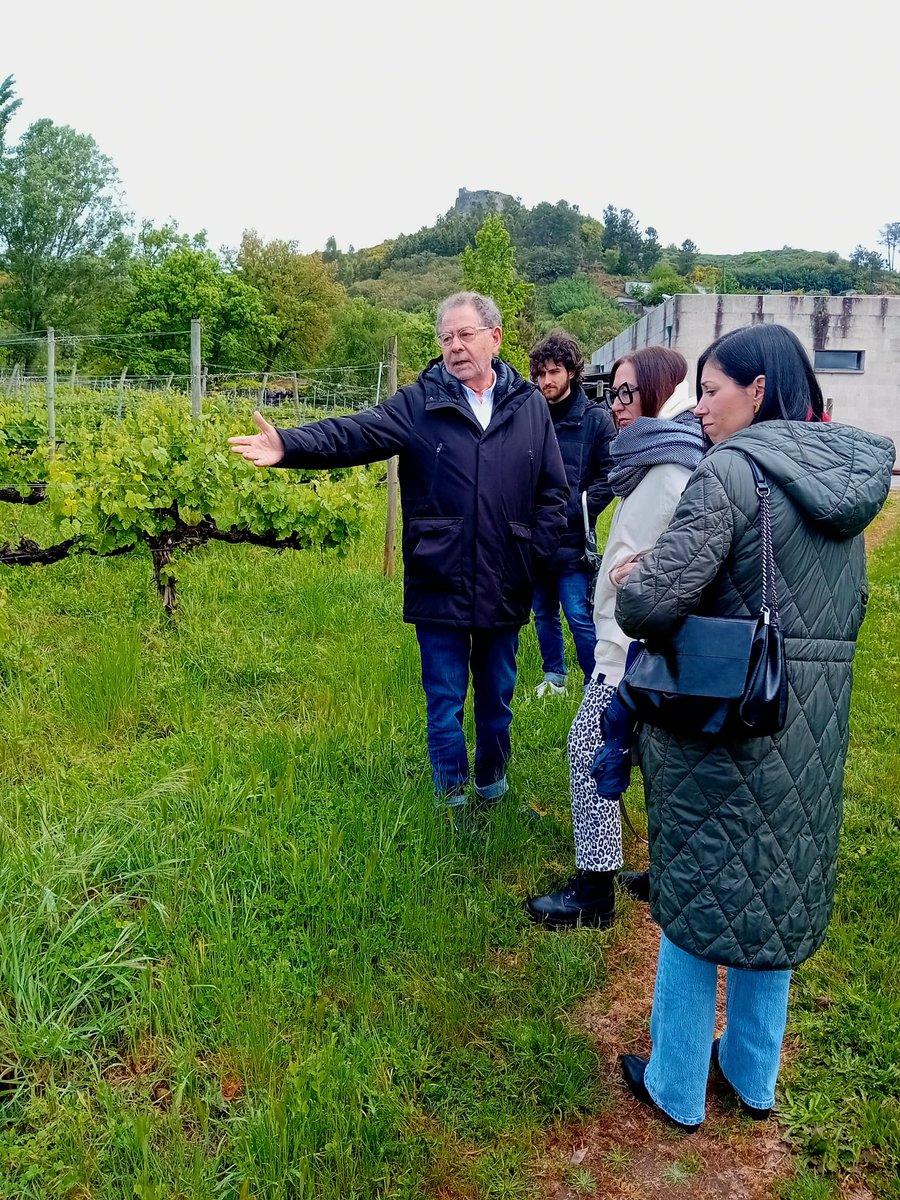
(550,689)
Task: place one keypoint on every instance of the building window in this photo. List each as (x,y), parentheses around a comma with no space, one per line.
(840,360)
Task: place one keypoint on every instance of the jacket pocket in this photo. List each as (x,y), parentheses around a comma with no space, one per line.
(432,552)
(520,569)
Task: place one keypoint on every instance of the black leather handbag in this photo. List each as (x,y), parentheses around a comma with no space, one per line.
(717,676)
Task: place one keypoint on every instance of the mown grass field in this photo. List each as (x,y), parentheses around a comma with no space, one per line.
(241,956)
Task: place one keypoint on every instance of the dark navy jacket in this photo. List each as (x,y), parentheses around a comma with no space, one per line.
(584,434)
(480,507)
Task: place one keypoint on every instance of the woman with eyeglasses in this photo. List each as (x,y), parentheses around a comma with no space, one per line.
(658,444)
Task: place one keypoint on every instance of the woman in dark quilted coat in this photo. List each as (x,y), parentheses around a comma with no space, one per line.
(744,833)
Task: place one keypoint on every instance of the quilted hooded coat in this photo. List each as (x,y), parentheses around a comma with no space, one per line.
(744,834)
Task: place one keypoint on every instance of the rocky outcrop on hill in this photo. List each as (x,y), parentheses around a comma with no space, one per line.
(468,202)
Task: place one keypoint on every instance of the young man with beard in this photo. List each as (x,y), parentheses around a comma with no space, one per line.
(584,431)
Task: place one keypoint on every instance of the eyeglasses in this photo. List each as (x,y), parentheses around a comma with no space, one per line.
(624,393)
(465,335)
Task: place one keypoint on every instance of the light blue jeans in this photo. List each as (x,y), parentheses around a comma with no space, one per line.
(683,1024)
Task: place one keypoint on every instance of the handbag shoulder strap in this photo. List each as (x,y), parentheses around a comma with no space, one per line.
(769,604)
(584,513)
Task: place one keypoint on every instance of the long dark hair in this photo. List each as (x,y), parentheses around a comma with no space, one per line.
(658,371)
(792,391)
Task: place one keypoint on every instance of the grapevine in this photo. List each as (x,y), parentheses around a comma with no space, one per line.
(161,479)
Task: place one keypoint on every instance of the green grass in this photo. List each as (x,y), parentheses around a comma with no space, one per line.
(842,1092)
(682,1170)
(240,954)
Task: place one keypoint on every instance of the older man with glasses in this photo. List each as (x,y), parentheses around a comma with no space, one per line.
(484,492)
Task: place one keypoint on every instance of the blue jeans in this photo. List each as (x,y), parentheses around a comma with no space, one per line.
(569,589)
(682,1027)
(447,657)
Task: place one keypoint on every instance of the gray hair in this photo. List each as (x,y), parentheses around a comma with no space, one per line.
(487,310)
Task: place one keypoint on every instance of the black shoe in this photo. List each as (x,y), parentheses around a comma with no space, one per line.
(636,884)
(758,1114)
(587,899)
(633,1069)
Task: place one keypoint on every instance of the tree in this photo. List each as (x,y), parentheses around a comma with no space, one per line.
(595,325)
(665,281)
(331,252)
(489,267)
(590,236)
(153,246)
(566,295)
(549,225)
(610,260)
(8,107)
(712,278)
(544,264)
(868,265)
(165,290)
(414,284)
(890,239)
(622,232)
(61,229)
(361,331)
(650,249)
(298,291)
(686,257)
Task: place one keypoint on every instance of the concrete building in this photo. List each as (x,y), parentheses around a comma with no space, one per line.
(852,341)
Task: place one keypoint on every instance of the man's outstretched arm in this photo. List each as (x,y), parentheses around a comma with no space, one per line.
(351,441)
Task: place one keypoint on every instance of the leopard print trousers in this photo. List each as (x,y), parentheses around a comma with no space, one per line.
(596,822)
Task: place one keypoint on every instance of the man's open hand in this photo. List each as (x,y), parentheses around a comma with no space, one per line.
(263,449)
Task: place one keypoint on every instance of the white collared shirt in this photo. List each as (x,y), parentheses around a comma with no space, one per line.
(482,406)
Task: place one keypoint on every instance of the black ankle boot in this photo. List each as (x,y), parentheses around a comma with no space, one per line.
(633,1068)
(758,1114)
(635,884)
(587,899)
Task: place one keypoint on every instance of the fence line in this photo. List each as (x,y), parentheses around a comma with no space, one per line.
(326,388)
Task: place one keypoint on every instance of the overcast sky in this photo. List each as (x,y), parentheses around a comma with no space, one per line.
(742,126)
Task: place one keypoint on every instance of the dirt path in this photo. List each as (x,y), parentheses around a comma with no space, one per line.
(627,1153)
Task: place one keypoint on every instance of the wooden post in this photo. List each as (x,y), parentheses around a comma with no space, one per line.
(74,376)
(262,390)
(196,378)
(51,391)
(393,488)
(296,395)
